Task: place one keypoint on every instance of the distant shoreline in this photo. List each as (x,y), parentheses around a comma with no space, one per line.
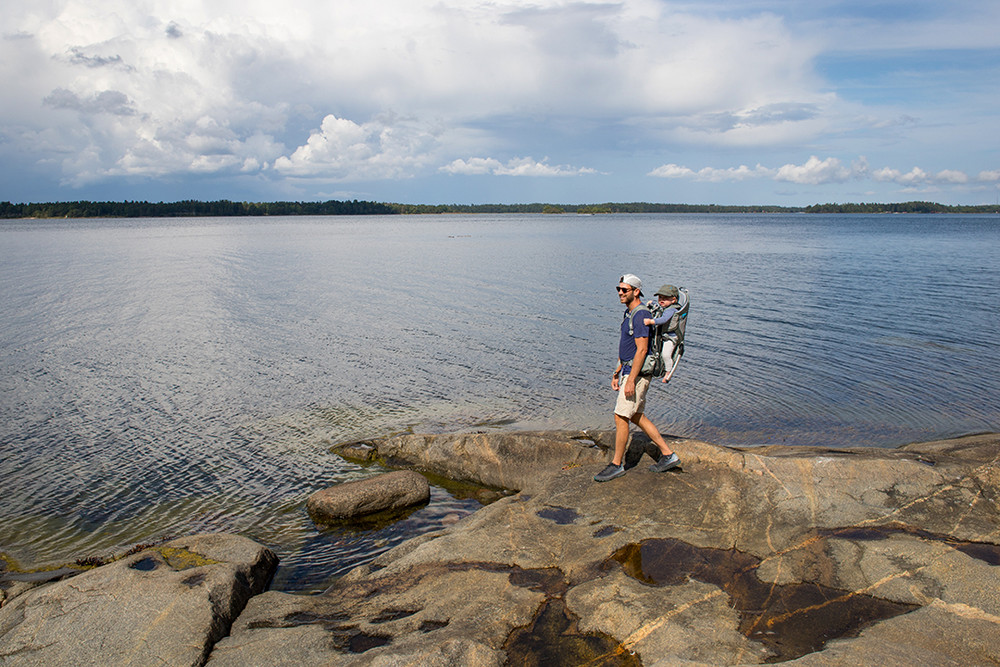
(226,208)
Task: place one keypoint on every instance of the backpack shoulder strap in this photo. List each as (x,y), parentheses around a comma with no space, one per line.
(631,315)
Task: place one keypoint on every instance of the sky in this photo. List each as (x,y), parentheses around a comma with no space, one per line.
(742,102)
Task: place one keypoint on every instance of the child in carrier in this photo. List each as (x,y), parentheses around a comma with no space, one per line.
(666,297)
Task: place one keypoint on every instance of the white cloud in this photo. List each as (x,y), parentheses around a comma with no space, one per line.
(207,164)
(311,90)
(739,173)
(917,176)
(344,150)
(886,174)
(673,171)
(255,67)
(515,167)
(824,172)
(474,166)
(815,172)
(951,176)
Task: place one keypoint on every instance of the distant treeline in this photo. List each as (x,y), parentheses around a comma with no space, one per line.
(645,207)
(190,208)
(634,207)
(905,207)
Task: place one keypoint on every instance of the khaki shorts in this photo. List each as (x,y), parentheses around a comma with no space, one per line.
(629,407)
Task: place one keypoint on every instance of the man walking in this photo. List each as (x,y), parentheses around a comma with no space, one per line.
(630,385)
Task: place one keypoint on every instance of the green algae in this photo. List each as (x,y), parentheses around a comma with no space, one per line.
(180,558)
(7,563)
(39,540)
(11,569)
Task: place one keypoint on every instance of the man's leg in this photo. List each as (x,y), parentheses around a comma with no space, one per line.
(668,459)
(615,468)
(621,439)
(625,409)
(649,428)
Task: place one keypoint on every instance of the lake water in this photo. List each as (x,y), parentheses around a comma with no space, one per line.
(161,377)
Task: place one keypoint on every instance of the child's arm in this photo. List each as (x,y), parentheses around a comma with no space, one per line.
(662,319)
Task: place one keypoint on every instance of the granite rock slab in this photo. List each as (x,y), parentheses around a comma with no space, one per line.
(741,556)
(809,556)
(167,605)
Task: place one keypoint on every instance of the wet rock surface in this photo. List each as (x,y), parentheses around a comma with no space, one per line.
(790,620)
(805,556)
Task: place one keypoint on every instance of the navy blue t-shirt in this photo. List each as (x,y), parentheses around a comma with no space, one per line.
(626,346)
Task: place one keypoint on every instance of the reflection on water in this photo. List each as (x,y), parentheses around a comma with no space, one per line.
(166,376)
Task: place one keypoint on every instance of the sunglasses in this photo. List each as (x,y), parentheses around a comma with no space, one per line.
(624,289)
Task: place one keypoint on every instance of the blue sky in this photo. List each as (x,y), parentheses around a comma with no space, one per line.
(457,101)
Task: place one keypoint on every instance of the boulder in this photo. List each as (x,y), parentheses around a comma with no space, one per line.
(500,460)
(165,605)
(351,500)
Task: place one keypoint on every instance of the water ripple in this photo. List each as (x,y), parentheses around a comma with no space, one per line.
(162,377)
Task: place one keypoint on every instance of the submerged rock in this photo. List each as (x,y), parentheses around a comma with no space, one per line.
(350,500)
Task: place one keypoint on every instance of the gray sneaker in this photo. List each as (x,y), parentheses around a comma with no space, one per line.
(665,463)
(609,473)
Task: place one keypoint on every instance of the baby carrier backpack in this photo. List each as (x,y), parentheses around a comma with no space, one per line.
(655,364)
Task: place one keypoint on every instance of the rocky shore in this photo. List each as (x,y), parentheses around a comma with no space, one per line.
(809,556)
